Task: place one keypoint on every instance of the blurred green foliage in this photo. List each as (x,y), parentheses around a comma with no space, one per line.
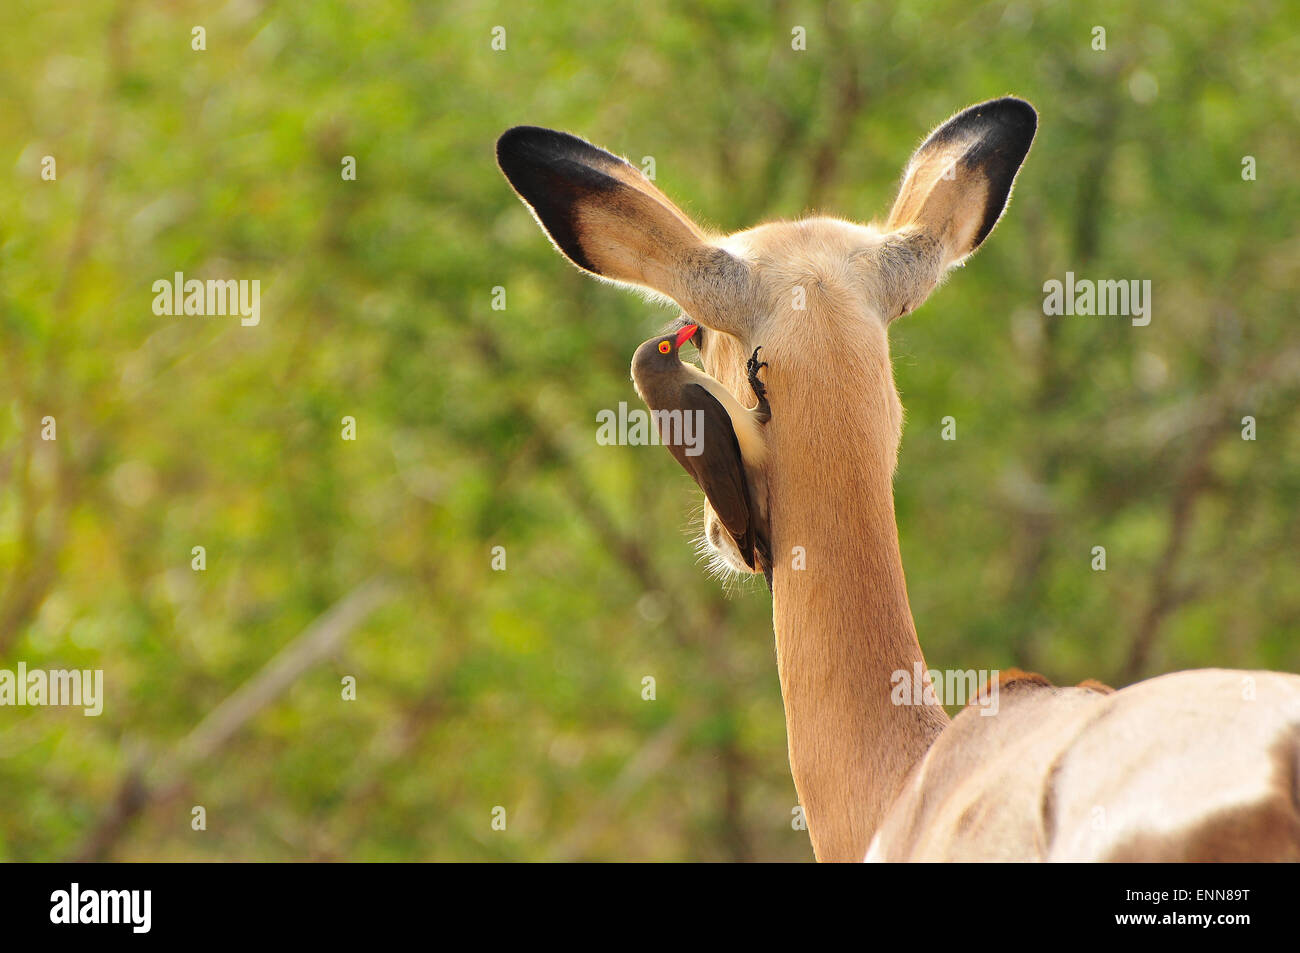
(475,427)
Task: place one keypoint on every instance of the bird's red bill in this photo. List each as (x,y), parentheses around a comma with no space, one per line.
(686,333)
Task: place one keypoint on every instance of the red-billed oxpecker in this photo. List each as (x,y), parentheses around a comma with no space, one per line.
(726,456)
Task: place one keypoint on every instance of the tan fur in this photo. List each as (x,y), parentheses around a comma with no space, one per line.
(1178,766)
(842,624)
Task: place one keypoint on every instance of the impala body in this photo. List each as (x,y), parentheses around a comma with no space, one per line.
(1196,765)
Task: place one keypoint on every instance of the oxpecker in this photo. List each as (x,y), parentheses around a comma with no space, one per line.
(727,455)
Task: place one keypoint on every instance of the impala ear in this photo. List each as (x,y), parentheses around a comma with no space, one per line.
(606,218)
(956,186)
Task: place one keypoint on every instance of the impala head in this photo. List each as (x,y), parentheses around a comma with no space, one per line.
(817,294)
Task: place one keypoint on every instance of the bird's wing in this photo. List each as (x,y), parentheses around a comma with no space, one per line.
(719,468)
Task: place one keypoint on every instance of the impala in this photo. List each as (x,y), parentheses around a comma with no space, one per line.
(1200,765)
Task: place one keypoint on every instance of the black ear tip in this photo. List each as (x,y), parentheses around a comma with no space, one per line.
(519,141)
(508,138)
(1015,116)
(1008,122)
(1015,121)
(515,142)
(1014,105)
(1016,113)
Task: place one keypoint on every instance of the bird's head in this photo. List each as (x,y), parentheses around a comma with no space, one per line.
(661,352)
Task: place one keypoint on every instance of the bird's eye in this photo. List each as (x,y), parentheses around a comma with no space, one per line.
(664,347)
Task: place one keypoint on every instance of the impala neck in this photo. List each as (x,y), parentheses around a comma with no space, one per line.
(843,624)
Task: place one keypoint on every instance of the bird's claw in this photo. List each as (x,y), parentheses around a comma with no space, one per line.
(760,389)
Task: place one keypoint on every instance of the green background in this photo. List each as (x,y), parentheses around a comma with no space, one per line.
(476,427)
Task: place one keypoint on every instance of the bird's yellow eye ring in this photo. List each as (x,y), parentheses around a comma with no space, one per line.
(664,347)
